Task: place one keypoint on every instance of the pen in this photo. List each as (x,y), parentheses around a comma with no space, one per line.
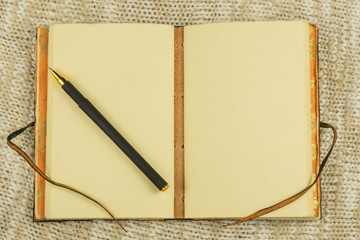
(111,132)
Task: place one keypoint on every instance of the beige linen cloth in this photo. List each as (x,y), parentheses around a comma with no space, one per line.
(339,64)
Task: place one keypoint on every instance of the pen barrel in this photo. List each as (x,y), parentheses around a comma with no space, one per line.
(114,135)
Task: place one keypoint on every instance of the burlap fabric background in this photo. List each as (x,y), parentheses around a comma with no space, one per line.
(339,50)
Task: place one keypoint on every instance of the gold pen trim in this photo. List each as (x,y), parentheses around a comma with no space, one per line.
(165,188)
(60,79)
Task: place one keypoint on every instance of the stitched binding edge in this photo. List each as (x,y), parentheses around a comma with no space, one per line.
(43,175)
(297,195)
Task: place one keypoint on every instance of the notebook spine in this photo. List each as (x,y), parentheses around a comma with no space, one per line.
(179,197)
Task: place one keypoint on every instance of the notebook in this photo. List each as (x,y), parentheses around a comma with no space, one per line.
(227,113)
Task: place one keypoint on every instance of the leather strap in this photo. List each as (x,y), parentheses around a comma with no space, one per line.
(43,175)
(251,216)
(297,195)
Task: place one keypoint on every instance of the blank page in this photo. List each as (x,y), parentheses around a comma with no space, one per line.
(126,71)
(247,118)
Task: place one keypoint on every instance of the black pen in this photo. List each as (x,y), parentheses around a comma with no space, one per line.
(111,132)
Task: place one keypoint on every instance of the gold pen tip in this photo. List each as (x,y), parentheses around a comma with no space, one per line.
(61,80)
(165,188)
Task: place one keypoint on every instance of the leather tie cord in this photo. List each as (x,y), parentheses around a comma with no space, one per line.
(297,195)
(251,216)
(43,175)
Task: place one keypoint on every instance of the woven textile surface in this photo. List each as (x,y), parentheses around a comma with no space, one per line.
(339,64)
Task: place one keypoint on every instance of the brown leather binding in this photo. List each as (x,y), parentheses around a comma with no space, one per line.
(44,176)
(179,123)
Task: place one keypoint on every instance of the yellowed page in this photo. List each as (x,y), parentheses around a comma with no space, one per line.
(247,118)
(126,71)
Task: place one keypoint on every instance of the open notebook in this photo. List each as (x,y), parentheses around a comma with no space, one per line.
(227,114)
